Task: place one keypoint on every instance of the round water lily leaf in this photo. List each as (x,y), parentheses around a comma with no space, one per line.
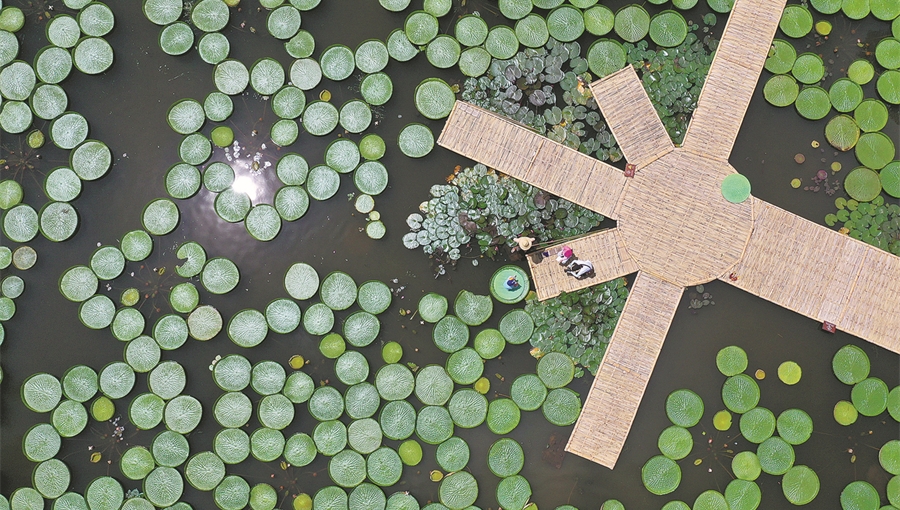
(887,53)
(471,30)
(365,435)
(888,86)
(556,369)
(384,467)
(742,495)
(813,103)
(337,62)
(146,411)
(266,444)
(443,52)
(473,309)
(342,155)
(323,182)
(781,90)
(170,449)
(432,307)
(210,15)
(532,31)
(283,22)
(58,221)
(195,258)
(93,55)
(347,468)
(757,424)
(684,408)
(845,413)
(78,283)
(731,360)
(468,408)
(398,420)
(136,463)
(796,21)
(434,424)
(889,457)
(170,332)
(376,89)
(399,47)
(421,27)
(416,140)
(458,490)
(893,403)
(675,442)
(233,409)
(338,290)
(874,150)
(104,492)
(371,178)
(394,382)
(808,68)
(371,56)
(528,392)
(41,442)
(745,466)
(842,132)
(220,275)
(740,393)
(513,492)
(182,414)
(275,411)
(776,456)
(351,368)
(51,478)
(15,117)
(410,453)
(800,485)
(661,475)
(163,486)
(863,184)
(301,281)
(176,38)
(61,184)
(860,494)
(326,403)
(668,29)
(300,450)
(501,42)
(433,386)
(204,323)
(434,98)
(735,188)
(850,364)
(606,56)
(231,77)
(871,115)
(233,493)
(69,418)
(79,383)
(41,392)
(632,23)
(506,457)
(267,377)
(331,497)
(489,343)
(845,95)
(449,334)
(374,297)
(789,372)
(21,223)
(361,329)
(453,454)
(561,407)
(794,426)
(167,380)
(355,116)
(53,64)
(870,396)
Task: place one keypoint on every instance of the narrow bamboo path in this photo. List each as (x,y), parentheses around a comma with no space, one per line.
(622,99)
(604,249)
(520,152)
(821,274)
(616,394)
(732,77)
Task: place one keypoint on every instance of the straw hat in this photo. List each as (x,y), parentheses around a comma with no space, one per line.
(524,242)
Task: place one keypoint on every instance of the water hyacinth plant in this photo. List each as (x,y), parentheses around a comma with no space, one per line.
(579,324)
(495,209)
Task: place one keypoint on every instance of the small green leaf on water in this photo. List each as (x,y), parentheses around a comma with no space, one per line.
(722,420)
(698,462)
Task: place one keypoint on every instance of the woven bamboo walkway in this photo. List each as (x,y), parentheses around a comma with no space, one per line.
(821,274)
(616,394)
(622,99)
(604,249)
(526,155)
(732,77)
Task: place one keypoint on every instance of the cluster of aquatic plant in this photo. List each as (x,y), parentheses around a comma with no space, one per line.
(699,297)
(546,88)
(579,323)
(876,222)
(365,456)
(774,437)
(858,122)
(673,77)
(495,209)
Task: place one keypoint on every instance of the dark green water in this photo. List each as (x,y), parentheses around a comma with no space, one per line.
(126,109)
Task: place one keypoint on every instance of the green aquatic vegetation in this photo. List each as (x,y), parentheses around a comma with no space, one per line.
(495,209)
(876,222)
(673,77)
(579,324)
(546,89)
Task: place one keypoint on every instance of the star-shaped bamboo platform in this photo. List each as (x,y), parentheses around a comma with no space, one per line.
(676,229)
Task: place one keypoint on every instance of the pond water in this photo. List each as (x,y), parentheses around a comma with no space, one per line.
(126,108)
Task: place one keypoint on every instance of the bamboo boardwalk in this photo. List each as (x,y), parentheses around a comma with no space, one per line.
(732,77)
(522,153)
(622,99)
(616,394)
(821,274)
(604,249)
(675,227)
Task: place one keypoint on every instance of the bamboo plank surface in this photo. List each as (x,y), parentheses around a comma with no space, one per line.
(622,99)
(524,154)
(732,77)
(622,378)
(604,249)
(821,274)
(676,223)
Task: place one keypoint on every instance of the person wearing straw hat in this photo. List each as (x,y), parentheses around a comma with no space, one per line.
(524,242)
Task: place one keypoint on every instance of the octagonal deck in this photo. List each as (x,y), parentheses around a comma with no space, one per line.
(676,224)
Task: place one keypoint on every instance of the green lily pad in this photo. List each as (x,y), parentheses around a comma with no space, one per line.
(862,184)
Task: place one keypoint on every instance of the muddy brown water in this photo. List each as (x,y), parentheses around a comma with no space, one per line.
(126,109)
